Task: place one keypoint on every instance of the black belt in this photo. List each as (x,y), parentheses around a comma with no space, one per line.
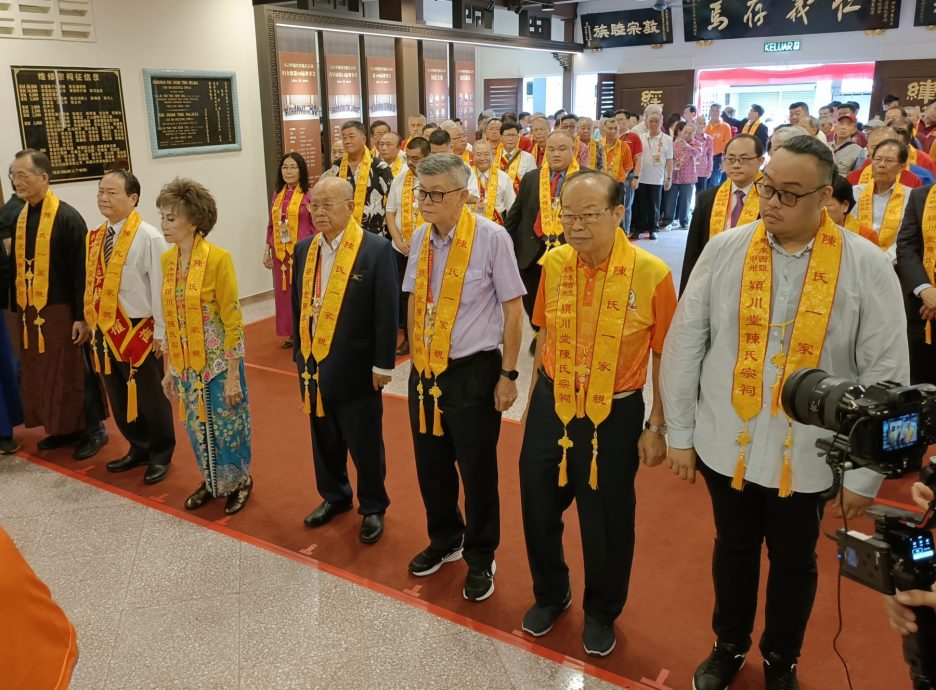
(617,396)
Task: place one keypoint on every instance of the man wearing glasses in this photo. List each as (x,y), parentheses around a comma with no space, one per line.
(603,305)
(740,330)
(464,302)
(734,202)
(344,316)
(880,203)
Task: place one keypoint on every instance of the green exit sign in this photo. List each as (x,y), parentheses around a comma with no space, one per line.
(781,46)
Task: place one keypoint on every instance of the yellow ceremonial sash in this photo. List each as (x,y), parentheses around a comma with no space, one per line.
(32,277)
(361,181)
(913,156)
(466,156)
(188,351)
(892,214)
(612,161)
(852,224)
(592,151)
(512,169)
(397,166)
(535,152)
(325,313)
(594,398)
(809,330)
(490,191)
(549,211)
(410,215)
(928,225)
(719,217)
(433,321)
(285,250)
(751,127)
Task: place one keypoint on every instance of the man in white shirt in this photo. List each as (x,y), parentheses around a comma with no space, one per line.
(514,162)
(484,170)
(880,204)
(460,145)
(740,329)
(402,219)
(390,153)
(129,337)
(656,175)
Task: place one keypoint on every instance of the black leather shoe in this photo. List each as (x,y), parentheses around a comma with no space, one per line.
(53,442)
(372,528)
(90,446)
(238,499)
(325,512)
(201,496)
(8,445)
(155,473)
(539,620)
(127,462)
(403,348)
(718,671)
(780,673)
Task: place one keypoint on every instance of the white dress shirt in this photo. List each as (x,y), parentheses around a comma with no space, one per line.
(505,191)
(878,207)
(141,282)
(527,161)
(327,253)
(865,341)
(656,151)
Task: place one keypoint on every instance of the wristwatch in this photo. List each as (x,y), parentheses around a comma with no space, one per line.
(656,428)
(511,375)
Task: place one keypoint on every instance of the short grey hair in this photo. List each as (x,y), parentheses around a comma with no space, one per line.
(653,109)
(783,134)
(444,164)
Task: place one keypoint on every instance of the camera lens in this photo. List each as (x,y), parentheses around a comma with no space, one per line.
(811,396)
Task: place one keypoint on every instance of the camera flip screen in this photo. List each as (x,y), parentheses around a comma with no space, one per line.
(900,432)
(921,547)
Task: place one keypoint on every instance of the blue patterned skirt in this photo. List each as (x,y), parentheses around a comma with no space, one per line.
(222,442)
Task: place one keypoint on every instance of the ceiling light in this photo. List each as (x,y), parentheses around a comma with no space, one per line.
(548,7)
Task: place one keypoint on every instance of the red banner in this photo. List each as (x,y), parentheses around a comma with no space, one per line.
(344,91)
(301,108)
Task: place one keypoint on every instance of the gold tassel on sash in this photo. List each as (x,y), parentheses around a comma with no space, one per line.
(283,271)
(181,406)
(422,408)
(39,321)
(200,391)
(593,473)
(436,393)
(306,399)
(94,353)
(786,473)
(566,443)
(319,405)
(737,481)
(131,397)
(107,362)
(25,334)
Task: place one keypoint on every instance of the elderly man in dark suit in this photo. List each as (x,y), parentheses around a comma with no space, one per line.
(744,156)
(524,221)
(916,263)
(345,317)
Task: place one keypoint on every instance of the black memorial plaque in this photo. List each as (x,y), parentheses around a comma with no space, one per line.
(75,116)
(193,112)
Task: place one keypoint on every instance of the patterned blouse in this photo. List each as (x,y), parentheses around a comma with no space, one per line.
(685,155)
(375,201)
(704,161)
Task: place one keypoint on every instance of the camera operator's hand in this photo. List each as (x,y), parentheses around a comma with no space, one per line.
(900,616)
(682,462)
(922,495)
(854,504)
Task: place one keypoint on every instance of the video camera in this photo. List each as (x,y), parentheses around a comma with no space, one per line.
(885,427)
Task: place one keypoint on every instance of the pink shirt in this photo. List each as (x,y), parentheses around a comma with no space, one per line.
(684,161)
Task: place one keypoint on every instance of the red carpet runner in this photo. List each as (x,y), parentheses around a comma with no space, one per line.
(665,628)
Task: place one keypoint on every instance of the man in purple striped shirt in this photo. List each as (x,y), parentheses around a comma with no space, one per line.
(478,384)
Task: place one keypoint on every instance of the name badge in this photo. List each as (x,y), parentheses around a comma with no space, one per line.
(657,159)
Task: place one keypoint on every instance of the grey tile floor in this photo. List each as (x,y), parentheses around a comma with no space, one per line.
(160,603)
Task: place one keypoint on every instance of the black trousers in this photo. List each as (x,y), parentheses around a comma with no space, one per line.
(471,429)
(606,515)
(401,262)
(647,203)
(744,520)
(152,433)
(531,279)
(922,356)
(356,426)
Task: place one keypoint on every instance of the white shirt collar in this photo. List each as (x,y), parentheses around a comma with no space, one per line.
(334,244)
(746,190)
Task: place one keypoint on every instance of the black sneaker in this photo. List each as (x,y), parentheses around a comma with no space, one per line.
(8,445)
(719,670)
(780,673)
(539,620)
(479,584)
(598,638)
(652,236)
(430,560)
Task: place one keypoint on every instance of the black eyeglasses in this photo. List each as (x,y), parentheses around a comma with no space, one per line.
(787,198)
(436,197)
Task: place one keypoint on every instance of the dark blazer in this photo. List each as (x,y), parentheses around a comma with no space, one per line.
(737,124)
(910,252)
(698,234)
(522,217)
(366,333)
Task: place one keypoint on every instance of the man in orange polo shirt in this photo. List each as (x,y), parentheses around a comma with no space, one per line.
(584,424)
(38,645)
(721,135)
